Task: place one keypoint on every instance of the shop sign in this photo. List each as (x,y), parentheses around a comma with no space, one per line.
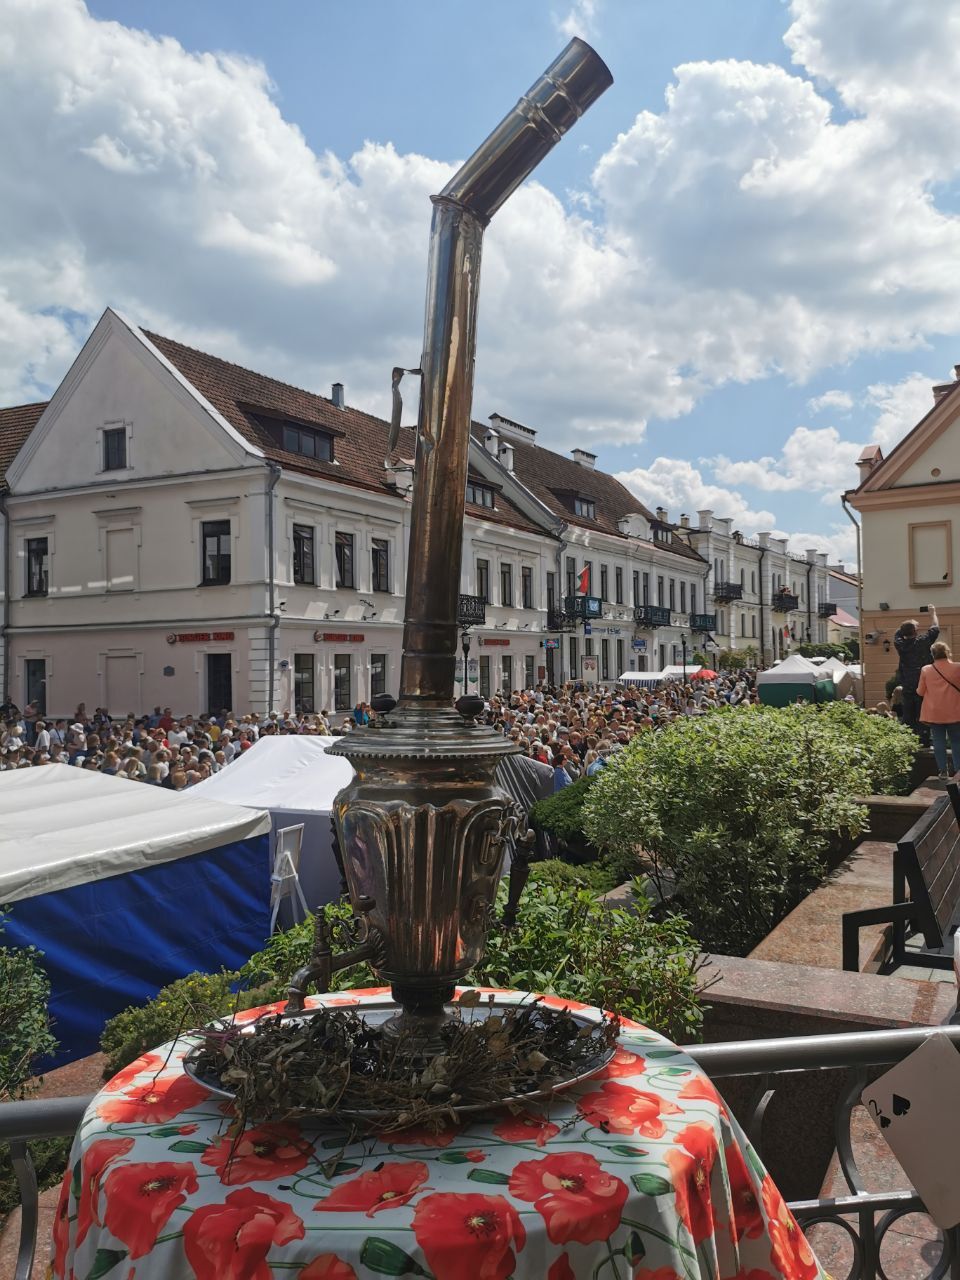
(197,637)
(495,640)
(640,646)
(343,637)
(550,644)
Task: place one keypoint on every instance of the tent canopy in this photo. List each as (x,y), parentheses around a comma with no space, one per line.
(61,826)
(650,678)
(795,677)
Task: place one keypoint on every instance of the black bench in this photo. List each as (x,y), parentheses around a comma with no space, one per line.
(926,865)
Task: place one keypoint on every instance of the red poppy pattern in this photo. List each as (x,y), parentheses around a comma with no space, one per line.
(641,1169)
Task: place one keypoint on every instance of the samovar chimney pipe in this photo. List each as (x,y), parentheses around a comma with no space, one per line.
(554,103)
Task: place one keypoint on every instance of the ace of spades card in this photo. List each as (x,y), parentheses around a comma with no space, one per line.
(916,1106)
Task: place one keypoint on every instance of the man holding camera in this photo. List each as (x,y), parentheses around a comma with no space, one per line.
(913,646)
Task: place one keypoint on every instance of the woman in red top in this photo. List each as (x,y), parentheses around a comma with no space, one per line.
(939,687)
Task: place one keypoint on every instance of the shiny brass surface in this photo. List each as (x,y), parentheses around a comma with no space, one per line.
(423,826)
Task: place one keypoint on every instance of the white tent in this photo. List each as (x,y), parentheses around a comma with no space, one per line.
(844,680)
(292,776)
(795,677)
(651,679)
(124,887)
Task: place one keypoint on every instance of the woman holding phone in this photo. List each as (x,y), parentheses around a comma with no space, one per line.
(939,687)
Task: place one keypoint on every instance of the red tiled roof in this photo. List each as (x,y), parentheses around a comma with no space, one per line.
(361,439)
(555,479)
(15,425)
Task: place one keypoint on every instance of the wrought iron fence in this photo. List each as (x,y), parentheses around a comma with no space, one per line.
(865,1216)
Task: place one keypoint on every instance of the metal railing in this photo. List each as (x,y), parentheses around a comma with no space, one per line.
(768,1060)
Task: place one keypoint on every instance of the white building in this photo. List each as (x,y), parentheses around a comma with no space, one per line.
(765,597)
(177,530)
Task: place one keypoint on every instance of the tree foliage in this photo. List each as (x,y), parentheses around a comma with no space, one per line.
(740,806)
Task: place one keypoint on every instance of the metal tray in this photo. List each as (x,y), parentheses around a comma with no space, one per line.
(379,1010)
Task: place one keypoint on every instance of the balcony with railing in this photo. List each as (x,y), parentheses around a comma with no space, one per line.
(703,622)
(784,602)
(583,608)
(826,609)
(651,615)
(724,592)
(864,1218)
(557,620)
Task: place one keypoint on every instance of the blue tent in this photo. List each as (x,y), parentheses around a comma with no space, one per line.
(125,887)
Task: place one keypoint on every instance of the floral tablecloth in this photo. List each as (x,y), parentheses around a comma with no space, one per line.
(640,1172)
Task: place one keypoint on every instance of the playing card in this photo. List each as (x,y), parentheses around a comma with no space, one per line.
(916,1105)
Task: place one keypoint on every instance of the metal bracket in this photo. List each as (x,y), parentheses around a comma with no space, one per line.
(397,412)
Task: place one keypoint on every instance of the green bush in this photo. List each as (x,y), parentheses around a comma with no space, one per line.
(24,1026)
(600,876)
(189,1002)
(885,747)
(562,813)
(25,1035)
(739,806)
(567,943)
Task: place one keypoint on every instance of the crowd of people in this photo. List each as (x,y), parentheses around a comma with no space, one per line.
(573,729)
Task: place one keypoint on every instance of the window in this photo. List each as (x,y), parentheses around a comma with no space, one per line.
(620,667)
(344,551)
(636,587)
(38,567)
(380,556)
(574,659)
(571,576)
(672,587)
(479,494)
(551,590)
(646,588)
(304,571)
(753,624)
(506,585)
(743,576)
(753,582)
(585,507)
(683,597)
(693,597)
(114,448)
(660,592)
(506,673)
(588,647)
(526,587)
(303,682)
(483,580)
(743,624)
(378,674)
(605,660)
(618,585)
(215,536)
(603,582)
(528,673)
(342,696)
(297,437)
(484,675)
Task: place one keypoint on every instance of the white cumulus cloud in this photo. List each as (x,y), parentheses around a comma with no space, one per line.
(678,485)
(812,459)
(836,400)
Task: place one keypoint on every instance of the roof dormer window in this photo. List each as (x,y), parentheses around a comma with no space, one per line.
(297,437)
(585,507)
(481,495)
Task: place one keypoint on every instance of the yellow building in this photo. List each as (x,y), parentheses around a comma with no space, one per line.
(909,503)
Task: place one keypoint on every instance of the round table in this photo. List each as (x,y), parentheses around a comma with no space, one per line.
(640,1172)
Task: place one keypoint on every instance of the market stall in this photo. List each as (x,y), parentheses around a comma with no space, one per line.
(124,888)
(795,679)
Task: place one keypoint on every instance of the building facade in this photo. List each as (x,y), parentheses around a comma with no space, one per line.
(909,504)
(180,531)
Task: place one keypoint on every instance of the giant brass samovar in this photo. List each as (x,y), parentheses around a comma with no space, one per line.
(423,825)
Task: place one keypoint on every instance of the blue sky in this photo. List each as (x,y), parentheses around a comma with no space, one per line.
(736,270)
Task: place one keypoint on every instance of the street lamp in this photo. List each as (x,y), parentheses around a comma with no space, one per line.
(683,647)
(465,646)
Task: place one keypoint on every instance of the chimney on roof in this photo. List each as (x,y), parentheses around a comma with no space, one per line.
(871,456)
(583,458)
(491,442)
(336,394)
(506,456)
(662,514)
(684,522)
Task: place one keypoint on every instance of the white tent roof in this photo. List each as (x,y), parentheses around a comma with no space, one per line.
(288,771)
(793,670)
(62,826)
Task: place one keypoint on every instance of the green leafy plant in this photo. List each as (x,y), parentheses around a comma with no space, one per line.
(740,806)
(601,876)
(562,814)
(886,748)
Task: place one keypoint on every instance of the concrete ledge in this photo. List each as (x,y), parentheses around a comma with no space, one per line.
(891,817)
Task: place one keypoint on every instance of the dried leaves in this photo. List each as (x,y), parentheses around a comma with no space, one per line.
(330,1062)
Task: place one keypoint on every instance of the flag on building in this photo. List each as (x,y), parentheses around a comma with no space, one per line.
(583,583)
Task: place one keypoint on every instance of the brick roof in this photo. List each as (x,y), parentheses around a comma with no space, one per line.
(15,425)
(361,439)
(556,479)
